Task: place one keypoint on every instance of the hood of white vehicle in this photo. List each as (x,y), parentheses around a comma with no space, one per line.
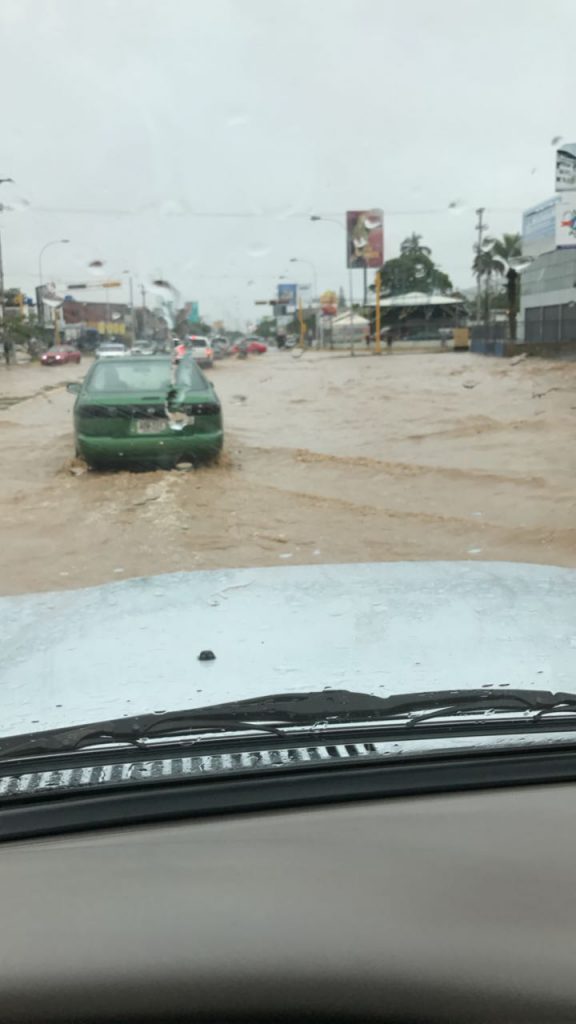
(132,647)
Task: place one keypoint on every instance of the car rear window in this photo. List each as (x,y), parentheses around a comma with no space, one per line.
(141,375)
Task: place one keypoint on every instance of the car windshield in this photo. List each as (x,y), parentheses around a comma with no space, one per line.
(287,355)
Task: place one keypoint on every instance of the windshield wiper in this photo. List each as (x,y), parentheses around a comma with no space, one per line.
(313,710)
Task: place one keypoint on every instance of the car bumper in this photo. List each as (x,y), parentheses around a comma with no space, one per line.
(163,450)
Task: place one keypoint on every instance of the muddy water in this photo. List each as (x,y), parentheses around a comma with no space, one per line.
(328,458)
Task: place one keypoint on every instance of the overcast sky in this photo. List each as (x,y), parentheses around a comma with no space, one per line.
(192,139)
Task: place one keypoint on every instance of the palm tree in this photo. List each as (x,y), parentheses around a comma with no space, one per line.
(508,247)
(494,258)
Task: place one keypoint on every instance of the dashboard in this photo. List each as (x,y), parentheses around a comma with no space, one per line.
(433,908)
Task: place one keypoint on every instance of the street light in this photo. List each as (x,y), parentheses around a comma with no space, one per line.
(56,241)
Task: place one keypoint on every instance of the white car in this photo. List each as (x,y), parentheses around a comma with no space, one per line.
(198,347)
(110,350)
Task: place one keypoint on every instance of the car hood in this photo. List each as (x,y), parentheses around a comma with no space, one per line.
(132,647)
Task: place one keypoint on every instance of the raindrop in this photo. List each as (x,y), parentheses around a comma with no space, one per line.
(237,120)
(172,208)
(18,205)
(555,140)
(419,270)
(474,551)
(456,207)
(96,267)
(258,250)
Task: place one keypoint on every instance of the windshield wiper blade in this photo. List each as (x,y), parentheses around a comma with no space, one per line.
(316,709)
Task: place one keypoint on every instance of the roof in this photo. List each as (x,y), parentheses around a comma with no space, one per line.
(418,299)
(344,320)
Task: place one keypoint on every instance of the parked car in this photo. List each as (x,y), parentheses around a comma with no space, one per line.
(146,411)
(110,350)
(60,354)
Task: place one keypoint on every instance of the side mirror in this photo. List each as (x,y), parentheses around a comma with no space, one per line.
(73,387)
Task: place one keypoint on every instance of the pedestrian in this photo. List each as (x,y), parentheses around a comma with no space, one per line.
(8,350)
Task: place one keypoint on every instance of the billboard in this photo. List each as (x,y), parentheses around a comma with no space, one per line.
(566,167)
(566,221)
(193,316)
(329,303)
(539,228)
(365,238)
(287,294)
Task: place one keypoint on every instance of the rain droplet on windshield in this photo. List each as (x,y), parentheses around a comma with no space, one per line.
(555,140)
(258,251)
(237,120)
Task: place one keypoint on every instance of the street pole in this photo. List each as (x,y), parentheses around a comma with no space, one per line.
(480,228)
(365,268)
(377,285)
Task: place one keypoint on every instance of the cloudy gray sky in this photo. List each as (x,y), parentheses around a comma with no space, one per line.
(194,138)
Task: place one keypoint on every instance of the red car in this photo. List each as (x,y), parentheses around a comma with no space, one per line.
(60,354)
(253,346)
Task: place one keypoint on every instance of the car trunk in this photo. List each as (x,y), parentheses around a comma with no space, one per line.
(113,415)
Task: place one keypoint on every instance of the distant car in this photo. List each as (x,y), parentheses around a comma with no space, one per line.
(255,345)
(143,348)
(60,354)
(199,348)
(222,347)
(252,346)
(146,412)
(110,350)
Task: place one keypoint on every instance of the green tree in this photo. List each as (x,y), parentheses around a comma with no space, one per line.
(266,328)
(413,270)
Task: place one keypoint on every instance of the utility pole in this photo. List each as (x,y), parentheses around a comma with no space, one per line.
(480,228)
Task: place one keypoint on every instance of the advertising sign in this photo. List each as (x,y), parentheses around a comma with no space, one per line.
(329,303)
(539,228)
(287,294)
(365,238)
(193,313)
(566,221)
(566,167)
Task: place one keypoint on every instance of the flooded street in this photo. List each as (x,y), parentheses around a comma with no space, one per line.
(327,459)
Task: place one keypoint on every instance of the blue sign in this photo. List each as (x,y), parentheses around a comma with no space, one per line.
(194,313)
(287,294)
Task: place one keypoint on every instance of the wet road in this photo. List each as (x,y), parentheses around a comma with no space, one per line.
(328,459)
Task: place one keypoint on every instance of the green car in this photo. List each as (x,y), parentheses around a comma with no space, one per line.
(146,411)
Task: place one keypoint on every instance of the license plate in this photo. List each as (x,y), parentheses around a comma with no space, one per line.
(153,426)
